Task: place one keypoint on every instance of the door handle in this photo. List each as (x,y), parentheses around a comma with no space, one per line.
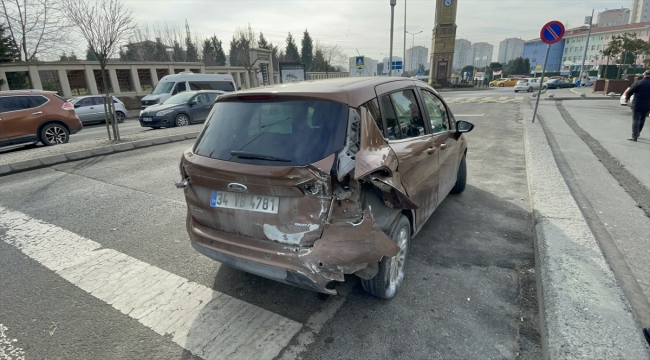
(37,113)
(92,107)
(443,146)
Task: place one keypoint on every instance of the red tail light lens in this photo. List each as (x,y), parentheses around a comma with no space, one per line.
(68,106)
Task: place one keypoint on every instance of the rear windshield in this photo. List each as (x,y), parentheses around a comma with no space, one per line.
(212,85)
(291,132)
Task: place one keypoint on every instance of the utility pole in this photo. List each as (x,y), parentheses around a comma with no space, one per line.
(584,58)
(392,20)
(404,58)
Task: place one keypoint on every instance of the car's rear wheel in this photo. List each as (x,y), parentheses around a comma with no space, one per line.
(390,276)
(54,134)
(461,178)
(501,85)
(530,89)
(182,120)
(120,116)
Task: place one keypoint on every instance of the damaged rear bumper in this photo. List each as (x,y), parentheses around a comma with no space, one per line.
(340,251)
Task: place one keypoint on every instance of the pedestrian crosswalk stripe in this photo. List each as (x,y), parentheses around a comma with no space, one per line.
(485,100)
(208,323)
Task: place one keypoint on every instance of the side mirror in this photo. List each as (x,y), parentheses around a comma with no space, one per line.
(77,106)
(192,102)
(239,88)
(463,127)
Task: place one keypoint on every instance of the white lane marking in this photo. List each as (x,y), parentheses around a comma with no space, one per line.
(208,323)
(468,115)
(316,322)
(8,350)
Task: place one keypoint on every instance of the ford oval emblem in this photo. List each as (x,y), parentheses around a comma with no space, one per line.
(237,187)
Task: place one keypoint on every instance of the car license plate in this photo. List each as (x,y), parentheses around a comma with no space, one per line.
(147,119)
(229,200)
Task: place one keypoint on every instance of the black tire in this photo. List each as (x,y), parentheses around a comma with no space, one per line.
(182,120)
(461,178)
(516,91)
(501,85)
(530,89)
(155,127)
(389,278)
(491,85)
(120,117)
(54,134)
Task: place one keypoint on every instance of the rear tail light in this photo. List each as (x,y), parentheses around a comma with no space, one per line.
(67,106)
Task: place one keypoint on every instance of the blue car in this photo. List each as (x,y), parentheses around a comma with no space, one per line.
(183,109)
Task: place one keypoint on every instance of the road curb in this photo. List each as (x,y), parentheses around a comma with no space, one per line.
(573,98)
(45,161)
(583,311)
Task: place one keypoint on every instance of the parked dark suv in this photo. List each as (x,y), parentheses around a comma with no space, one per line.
(306,182)
(30,116)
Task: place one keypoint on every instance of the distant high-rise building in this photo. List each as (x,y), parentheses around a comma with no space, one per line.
(639,11)
(416,56)
(510,49)
(369,68)
(481,54)
(462,54)
(613,17)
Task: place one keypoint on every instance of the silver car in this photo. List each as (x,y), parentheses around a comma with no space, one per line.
(90,108)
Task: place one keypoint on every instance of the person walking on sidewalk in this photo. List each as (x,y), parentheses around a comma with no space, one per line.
(640,105)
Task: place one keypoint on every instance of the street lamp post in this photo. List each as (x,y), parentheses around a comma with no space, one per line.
(392,20)
(582,67)
(412,44)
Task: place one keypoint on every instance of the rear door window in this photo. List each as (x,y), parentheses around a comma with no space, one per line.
(212,97)
(403,117)
(38,100)
(373,108)
(279,132)
(14,103)
(212,85)
(86,102)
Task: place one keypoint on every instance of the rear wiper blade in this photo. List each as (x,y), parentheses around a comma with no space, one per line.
(249,155)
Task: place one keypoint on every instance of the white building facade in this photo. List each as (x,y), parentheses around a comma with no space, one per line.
(613,17)
(482,53)
(369,68)
(639,11)
(510,49)
(416,56)
(462,54)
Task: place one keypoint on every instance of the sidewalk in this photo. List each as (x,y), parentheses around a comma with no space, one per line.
(584,311)
(30,159)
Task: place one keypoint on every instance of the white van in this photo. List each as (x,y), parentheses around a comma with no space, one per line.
(173,84)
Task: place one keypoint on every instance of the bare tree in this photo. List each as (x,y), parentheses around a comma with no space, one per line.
(246,39)
(104,24)
(333,55)
(38,27)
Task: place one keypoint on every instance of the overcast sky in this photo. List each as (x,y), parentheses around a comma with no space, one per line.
(364,25)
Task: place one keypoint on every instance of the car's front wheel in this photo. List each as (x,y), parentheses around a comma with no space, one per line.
(182,120)
(54,134)
(120,116)
(390,276)
(501,85)
(461,178)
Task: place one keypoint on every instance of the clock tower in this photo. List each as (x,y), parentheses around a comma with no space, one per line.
(443,42)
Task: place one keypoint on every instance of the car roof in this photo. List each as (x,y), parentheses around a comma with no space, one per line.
(351,91)
(26,92)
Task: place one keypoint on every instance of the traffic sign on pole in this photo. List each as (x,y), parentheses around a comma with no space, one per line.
(550,34)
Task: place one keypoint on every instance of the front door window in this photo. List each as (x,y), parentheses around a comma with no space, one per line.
(403,117)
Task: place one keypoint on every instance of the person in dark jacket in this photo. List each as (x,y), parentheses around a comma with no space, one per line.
(640,105)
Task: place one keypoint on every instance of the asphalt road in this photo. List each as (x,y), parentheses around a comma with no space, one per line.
(469,290)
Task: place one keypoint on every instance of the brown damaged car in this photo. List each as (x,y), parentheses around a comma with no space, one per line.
(306,182)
